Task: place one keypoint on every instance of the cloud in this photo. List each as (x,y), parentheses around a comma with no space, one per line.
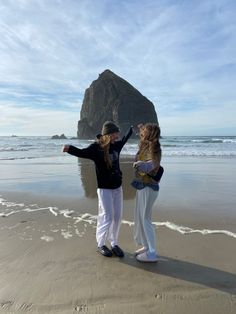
(203,121)
(31,121)
(181,55)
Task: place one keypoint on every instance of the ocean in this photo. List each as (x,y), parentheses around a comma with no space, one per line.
(199,179)
(37,147)
(36,164)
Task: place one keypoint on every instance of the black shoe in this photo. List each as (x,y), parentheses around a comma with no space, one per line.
(105,251)
(117,251)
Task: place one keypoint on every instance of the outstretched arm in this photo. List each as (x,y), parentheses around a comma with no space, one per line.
(87,152)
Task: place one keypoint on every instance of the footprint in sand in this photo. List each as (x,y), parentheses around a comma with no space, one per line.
(81,308)
(6,304)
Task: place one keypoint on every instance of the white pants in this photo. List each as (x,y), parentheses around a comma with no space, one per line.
(144,231)
(110,208)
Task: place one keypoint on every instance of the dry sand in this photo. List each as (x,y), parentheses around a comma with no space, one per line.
(49,264)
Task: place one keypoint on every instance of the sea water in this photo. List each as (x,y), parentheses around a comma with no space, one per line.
(37,164)
(35,147)
(199,175)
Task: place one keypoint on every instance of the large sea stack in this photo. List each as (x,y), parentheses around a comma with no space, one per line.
(110,97)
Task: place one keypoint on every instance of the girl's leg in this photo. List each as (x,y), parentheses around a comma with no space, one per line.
(104,219)
(117,198)
(149,229)
(139,234)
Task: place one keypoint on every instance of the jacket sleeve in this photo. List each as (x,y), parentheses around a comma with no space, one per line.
(88,152)
(125,138)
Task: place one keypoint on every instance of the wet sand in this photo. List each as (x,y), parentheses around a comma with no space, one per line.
(49,262)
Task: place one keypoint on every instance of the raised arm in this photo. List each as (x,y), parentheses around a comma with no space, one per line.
(125,138)
(127,135)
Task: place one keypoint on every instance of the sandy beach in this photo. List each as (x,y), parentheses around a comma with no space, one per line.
(125,85)
(49,262)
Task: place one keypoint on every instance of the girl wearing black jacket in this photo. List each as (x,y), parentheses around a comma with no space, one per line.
(105,154)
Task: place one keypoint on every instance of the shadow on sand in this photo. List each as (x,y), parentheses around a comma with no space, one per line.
(203,275)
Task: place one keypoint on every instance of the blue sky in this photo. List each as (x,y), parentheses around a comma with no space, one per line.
(180,54)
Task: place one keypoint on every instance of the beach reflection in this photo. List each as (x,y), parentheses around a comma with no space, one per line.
(89,181)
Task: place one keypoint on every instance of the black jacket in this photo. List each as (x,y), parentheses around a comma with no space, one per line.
(107,178)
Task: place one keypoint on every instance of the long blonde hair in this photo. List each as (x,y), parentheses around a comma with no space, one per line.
(150,141)
(104,142)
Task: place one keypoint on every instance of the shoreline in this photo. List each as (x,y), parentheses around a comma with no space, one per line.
(176,219)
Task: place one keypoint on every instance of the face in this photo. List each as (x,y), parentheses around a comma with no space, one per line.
(114,137)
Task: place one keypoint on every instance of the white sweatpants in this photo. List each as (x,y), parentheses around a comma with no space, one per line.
(144,231)
(110,208)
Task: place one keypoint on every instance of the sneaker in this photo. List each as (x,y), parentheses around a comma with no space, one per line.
(117,251)
(140,251)
(147,257)
(105,251)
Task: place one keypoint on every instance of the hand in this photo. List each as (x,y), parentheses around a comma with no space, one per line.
(140,125)
(65,148)
(136,128)
(136,164)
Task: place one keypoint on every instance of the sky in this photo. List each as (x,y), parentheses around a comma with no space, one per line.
(180,54)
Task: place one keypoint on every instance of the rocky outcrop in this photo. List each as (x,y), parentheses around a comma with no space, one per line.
(59,137)
(110,97)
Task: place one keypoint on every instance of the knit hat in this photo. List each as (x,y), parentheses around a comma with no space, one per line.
(109,127)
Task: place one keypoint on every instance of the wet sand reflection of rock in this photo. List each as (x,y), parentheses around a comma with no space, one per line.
(89,181)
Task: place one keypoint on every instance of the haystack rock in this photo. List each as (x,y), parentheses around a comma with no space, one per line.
(110,97)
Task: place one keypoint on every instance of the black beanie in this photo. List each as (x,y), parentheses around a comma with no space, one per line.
(109,127)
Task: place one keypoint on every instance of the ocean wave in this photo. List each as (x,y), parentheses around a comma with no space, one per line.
(229,141)
(128,155)
(28,157)
(38,147)
(12,208)
(207,141)
(227,154)
(13,149)
(26,145)
(188,153)
(213,140)
(19,158)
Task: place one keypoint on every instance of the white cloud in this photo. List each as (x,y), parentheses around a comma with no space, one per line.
(205,121)
(182,56)
(29,121)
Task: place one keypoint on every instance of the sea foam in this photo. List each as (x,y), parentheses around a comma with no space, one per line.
(10,208)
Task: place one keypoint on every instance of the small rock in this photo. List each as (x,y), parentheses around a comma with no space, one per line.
(59,137)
